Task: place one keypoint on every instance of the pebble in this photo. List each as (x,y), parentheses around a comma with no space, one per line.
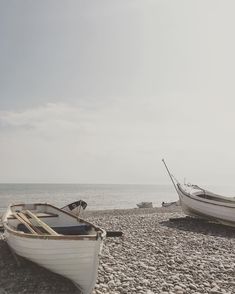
(158,256)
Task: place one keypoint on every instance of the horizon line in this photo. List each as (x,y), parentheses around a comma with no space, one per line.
(76,183)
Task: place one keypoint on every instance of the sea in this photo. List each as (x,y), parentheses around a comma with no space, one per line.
(97,196)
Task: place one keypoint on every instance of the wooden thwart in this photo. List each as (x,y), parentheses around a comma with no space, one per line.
(24,217)
(28,226)
(39,222)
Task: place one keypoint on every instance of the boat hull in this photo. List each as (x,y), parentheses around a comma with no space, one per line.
(76,260)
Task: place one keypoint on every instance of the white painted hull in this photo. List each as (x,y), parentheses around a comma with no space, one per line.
(217,209)
(74,257)
(76,260)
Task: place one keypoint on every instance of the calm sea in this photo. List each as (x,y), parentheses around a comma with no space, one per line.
(98,197)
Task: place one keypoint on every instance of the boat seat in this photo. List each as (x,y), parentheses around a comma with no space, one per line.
(82,229)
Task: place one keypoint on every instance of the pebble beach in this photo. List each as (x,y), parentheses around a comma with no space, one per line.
(161,251)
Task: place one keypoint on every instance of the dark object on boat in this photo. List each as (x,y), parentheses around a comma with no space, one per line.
(75,207)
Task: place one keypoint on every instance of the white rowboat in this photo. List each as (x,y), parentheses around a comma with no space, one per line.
(56,240)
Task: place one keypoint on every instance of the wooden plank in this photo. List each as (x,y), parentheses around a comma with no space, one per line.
(41,223)
(25,223)
(24,217)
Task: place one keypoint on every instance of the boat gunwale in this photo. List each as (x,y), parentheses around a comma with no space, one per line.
(100,232)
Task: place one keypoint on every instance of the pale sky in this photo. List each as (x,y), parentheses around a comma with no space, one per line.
(99,91)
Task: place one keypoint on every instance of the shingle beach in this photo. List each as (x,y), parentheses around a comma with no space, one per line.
(161,251)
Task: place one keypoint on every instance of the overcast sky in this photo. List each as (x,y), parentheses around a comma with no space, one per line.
(100,91)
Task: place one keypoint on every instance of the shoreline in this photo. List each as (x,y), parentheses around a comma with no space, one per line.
(161,251)
(134,210)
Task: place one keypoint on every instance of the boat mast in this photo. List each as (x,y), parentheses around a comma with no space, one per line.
(170,175)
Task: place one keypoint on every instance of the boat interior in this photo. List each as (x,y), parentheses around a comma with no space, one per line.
(201,193)
(45,219)
(216,198)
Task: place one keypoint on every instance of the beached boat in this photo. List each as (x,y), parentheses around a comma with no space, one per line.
(145,205)
(56,240)
(202,203)
(199,202)
(168,204)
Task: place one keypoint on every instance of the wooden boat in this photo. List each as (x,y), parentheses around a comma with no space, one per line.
(56,240)
(145,205)
(201,203)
